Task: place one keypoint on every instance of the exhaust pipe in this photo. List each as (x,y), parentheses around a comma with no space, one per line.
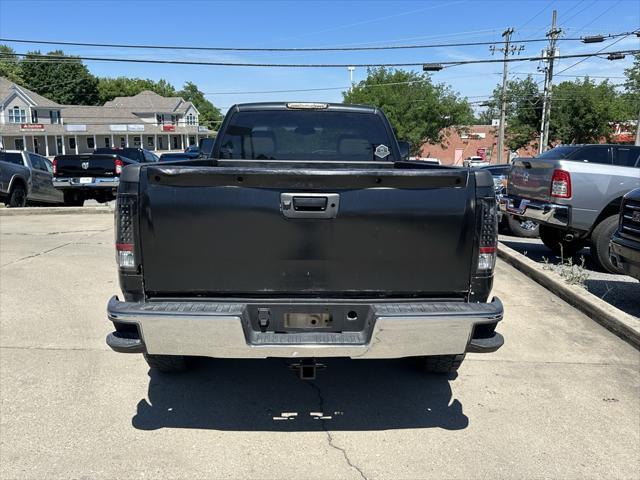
(569,237)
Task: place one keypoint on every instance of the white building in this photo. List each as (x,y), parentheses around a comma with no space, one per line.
(148,120)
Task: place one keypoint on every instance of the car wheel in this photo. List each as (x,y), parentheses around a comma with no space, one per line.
(17,197)
(554,240)
(441,363)
(523,227)
(166,363)
(600,239)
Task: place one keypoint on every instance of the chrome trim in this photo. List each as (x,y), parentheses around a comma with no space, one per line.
(549,213)
(98,182)
(222,330)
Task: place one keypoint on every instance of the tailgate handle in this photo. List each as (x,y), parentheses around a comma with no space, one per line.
(309,205)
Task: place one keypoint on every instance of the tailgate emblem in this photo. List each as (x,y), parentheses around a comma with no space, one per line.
(635,217)
(525,177)
(85,165)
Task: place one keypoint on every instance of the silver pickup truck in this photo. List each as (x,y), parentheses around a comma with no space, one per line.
(574,192)
(26,177)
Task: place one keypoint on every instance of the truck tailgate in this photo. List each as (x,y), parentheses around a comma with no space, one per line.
(219,231)
(530,178)
(86,165)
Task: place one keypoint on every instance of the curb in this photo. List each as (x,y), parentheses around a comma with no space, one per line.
(622,324)
(12,212)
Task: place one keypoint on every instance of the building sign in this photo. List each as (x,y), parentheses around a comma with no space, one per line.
(75,128)
(27,127)
(118,128)
(168,128)
(135,127)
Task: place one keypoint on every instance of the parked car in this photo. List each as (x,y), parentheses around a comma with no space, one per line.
(575,193)
(625,244)
(474,161)
(95,175)
(192,149)
(509,224)
(287,246)
(26,178)
(173,157)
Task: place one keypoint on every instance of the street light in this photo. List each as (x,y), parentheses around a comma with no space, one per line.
(432,67)
(615,56)
(351,70)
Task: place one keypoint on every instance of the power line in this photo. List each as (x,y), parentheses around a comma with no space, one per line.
(280,49)
(38,58)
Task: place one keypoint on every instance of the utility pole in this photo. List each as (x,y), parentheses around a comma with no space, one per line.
(507,50)
(553,35)
(638,131)
(351,69)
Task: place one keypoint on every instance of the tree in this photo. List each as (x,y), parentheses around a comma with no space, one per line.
(209,114)
(631,96)
(10,64)
(110,88)
(67,81)
(584,111)
(417,109)
(523,111)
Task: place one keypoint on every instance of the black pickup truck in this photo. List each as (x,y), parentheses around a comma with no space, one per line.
(94,175)
(306,235)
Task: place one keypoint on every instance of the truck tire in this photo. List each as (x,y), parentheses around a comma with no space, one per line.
(166,363)
(442,363)
(523,227)
(17,197)
(553,239)
(600,238)
(72,199)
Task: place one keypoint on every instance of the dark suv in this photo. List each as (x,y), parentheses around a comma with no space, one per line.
(625,244)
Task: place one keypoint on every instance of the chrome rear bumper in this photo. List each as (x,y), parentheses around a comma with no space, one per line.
(549,213)
(224,330)
(96,182)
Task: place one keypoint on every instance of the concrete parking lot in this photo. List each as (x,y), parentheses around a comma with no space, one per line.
(561,399)
(621,291)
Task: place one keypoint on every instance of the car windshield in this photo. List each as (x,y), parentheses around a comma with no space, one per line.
(306,135)
(558,152)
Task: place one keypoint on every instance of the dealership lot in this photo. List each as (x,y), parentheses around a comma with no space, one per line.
(561,399)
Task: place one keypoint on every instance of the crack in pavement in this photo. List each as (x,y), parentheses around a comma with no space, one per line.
(45,234)
(330,437)
(44,252)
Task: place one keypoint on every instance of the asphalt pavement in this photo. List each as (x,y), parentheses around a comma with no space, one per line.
(561,399)
(621,291)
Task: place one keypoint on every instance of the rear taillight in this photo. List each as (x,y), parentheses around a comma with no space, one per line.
(55,166)
(488,235)
(125,238)
(118,163)
(561,184)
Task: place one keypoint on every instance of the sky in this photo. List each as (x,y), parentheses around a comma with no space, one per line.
(319,24)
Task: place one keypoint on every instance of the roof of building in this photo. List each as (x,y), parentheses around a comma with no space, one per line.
(86,114)
(7,87)
(150,102)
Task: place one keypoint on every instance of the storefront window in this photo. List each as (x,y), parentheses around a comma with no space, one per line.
(19,143)
(137,142)
(90,143)
(150,145)
(72,143)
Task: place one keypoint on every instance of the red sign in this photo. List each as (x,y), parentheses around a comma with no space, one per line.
(168,128)
(31,126)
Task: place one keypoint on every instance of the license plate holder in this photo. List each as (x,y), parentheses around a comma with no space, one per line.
(85,180)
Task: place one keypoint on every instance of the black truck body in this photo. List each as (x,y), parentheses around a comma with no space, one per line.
(252,255)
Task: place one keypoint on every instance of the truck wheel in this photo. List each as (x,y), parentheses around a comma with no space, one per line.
(442,363)
(554,240)
(166,363)
(600,239)
(523,227)
(71,199)
(17,197)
